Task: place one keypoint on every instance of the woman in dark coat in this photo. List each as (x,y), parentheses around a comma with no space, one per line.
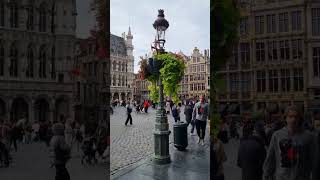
(188,112)
(251,154)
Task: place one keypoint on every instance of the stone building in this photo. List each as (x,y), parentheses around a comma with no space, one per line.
(90,75)
(122,64)
(277,59)
(36,54)
(195,81)
(140,87)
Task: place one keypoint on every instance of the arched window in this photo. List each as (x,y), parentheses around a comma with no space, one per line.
(42,18)
(114,80)
(30,62)
(30,16)
(2,14)
(14,16)
(13,69)
(1,59)
(123,81)
(42,64)
(119,80)
(119,67)
(114,65)
(123,67)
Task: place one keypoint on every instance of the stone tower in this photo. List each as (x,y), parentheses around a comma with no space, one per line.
(65,34)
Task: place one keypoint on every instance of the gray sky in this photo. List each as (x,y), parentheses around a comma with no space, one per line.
(85,18)
(189,24)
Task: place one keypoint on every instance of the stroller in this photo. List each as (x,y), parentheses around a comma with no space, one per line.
(89,151)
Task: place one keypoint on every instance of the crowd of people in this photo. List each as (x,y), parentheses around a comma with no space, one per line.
(285,149)
(59,136)
(196,111)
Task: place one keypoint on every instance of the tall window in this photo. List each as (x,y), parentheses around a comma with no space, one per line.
(43,62)
(261,81)
(244,25)
(14,16)
(259,24)
(1,60)
(284,50)
(2,13)
(283,22)
(30,16)
(296,49)
(114,80)
(272,51)
(315,13)
(273,81)
(234,60)
(260,52)
(53,63)
(191,87)
(271,23)
(285,80)
(30,62)
(298,79)
(13,70)
(234,81)
(246,83)
(42,18)
(114,66)
(296,20)
(245,53)
(316,61)
(202,67)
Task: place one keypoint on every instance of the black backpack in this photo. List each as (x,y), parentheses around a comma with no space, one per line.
(129,110)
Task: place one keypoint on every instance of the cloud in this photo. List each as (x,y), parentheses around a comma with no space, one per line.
(189,24)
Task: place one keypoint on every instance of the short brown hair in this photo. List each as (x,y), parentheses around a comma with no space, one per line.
(295,109)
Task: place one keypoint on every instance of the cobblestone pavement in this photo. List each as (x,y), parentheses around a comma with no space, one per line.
(32,162)
(130,144)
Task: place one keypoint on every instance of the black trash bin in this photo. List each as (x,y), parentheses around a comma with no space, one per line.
(180,135)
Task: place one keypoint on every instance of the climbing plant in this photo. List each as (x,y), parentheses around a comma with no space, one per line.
(171,73)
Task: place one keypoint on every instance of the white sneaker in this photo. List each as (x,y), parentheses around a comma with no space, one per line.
(202,143)
(199,141)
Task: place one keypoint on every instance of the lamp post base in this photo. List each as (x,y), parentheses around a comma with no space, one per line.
(161,147)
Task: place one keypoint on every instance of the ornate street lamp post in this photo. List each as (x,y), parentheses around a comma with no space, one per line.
(161,131)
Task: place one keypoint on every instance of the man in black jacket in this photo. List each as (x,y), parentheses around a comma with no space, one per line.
(251,153)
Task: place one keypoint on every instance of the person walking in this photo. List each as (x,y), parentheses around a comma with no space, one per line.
(176,113)
(188,112)
(291,151)
(68,132)
(251,153)
(168,107)
(60,152)
(200,114)
(35,131)
(4,143)
(129,117)
(217,159)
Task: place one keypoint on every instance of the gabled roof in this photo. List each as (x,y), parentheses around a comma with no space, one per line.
(118,45)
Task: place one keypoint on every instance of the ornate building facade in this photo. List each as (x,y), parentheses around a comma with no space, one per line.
(36,55)
(276,61)
(195,81)
(122,66)
(90,75)
(141,91)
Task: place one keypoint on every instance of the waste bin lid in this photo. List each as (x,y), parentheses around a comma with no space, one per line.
(180,124)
